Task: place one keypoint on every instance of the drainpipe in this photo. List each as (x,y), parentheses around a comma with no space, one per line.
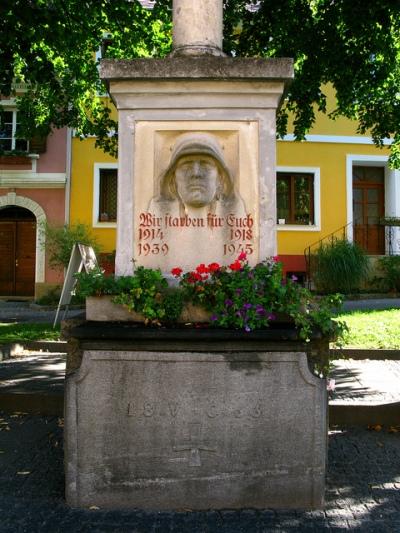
(68,165)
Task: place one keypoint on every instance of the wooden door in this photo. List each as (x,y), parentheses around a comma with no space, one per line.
(368,208)
(18,257)
(7,262)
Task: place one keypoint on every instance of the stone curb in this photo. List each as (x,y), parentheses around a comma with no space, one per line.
(364,415)
(14,348)
(365,353)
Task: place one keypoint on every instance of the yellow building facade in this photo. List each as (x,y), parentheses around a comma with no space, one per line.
(336,181)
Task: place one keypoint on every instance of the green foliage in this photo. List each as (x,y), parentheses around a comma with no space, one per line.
(372,329)
(339,266)
(145,292)
(16,332)
(390,266)
(59,241)
(245,297)
(358,53)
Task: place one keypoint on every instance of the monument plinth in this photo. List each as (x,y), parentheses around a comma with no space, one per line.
(194,419)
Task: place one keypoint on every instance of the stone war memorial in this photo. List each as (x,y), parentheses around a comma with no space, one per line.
(194,418)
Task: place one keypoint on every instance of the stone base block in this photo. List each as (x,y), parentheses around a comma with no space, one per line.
(193,430)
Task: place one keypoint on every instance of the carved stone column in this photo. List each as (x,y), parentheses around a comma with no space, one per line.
(197,27)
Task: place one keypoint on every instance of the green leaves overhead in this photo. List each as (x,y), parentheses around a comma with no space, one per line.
(52,45)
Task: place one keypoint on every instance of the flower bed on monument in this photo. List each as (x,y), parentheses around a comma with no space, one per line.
(236,296)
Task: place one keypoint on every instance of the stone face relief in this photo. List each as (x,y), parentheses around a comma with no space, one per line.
(198,214)
(196,177)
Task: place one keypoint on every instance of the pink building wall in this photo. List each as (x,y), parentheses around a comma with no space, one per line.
(55,157)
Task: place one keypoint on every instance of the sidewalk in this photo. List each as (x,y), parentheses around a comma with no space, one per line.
(367,391)
(30,312)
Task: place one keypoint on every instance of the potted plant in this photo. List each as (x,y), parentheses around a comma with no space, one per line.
(237,296)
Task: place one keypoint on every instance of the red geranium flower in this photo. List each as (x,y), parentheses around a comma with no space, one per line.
(202,269)
(213,267)
(176,272)
(242,256)
(236,265)
(193,277)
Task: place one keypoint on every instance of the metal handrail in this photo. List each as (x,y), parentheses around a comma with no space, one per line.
(331,236)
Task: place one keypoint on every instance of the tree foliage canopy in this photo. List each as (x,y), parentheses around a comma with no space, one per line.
(355,45)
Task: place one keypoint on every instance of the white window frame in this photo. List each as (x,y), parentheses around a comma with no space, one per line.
(96,195)
(317,199)
(392,187)
(14,126)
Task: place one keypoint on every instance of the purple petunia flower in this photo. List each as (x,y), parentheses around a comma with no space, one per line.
(294,278)
(247,306)
(271,316)
(228,302)
(247,328)
(213,318)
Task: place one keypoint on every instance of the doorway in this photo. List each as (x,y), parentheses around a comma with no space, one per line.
(17,251)
(368,208)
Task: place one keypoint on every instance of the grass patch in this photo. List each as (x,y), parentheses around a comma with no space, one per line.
(16,332)
(373,329)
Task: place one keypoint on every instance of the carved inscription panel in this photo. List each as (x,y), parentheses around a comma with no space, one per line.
(196,193)
(168,418)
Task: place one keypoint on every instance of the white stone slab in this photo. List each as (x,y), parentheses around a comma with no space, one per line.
(196,431)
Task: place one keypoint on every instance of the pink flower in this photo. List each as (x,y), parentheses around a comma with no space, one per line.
(331,385)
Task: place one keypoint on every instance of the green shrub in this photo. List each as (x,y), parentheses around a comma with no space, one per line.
(340,266)
(390,267)
(59,241)
(51,297)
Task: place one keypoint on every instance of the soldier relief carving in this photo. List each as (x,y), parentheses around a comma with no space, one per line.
(198,208)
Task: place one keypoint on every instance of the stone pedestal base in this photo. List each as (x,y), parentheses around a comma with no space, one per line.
(195,430)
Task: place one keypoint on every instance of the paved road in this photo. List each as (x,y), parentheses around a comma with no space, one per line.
(363,490)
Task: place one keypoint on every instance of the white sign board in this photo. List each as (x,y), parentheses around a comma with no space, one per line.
(82,256)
